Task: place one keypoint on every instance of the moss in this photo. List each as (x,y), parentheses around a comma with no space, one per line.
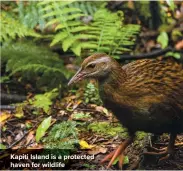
(108,129)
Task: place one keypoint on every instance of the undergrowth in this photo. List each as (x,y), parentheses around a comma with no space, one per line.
(91,94)
(105,32)
(11,28)
(29,63)
(62,136)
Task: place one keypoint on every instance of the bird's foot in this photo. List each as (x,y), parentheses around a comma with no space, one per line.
(118,153)
(162,154)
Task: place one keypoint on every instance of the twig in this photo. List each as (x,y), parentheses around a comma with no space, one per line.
(150,55)
(7,107)
(16,142)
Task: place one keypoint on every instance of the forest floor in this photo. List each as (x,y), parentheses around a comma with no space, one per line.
(99,133)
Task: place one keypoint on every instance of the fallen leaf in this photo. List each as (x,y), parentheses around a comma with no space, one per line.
(77,104)
(102,109)
(19,115)
(179,45)
(30,137)
(84,145)
(2,146)
(4,116)
(9,139)
(97,150)
(38,146)
(19,135)
(42,128)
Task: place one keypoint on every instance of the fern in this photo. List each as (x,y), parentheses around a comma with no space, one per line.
(62,136)
(109,35)
(87,7)
(30,15)
(11,28)
(105,33)
(33,64)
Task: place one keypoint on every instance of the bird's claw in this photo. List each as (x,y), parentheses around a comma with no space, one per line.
(114,155)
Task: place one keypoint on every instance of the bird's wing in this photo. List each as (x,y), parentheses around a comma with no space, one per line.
(156,77)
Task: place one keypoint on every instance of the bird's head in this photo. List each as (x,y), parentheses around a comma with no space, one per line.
(96,66)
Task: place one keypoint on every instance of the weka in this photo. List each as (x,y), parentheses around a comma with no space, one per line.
(145,95)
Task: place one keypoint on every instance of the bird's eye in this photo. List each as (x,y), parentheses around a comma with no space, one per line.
(91,66)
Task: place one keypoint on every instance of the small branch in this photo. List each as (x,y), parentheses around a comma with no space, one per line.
(7,107)
(16,142)
(150,55)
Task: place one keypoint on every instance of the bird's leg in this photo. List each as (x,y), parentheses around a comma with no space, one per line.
(166,153)
(119,152)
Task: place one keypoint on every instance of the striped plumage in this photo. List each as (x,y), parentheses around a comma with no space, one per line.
(149,94)
(145,95)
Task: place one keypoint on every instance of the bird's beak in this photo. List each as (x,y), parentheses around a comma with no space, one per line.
(77,77)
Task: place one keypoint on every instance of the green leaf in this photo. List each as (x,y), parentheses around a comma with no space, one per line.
(68,42)
(77,49)
(125,161)
(171,4)
(163,39)
(59,37)
(173,54)
(42,128)
(2,146)
(70,24)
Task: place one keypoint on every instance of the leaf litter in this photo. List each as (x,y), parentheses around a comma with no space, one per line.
(98,132)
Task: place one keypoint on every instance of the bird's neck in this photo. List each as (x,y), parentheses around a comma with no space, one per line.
(116,77)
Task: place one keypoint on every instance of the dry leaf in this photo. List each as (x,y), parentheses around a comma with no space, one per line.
(84,145)
(179,45)
(97,150)
(19,115)
(30,137)
(77,104)
(37,146)
(102,109)
(4,116)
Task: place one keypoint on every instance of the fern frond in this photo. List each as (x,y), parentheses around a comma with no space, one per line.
(11,28)
(59,37)
(105,33)
(33,64)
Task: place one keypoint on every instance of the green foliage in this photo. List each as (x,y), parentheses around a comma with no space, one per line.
(171,4)
(62,136)
(30,14)
(140,135)
(173,54)
(87,7)
(81,115)
(2,147)
(42,128)
(143,9)
(125,161)
(163,39)
(12,28)
(106,129)
(33,64)
(44,101)
(91,94)
(89,166)
(105,33)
